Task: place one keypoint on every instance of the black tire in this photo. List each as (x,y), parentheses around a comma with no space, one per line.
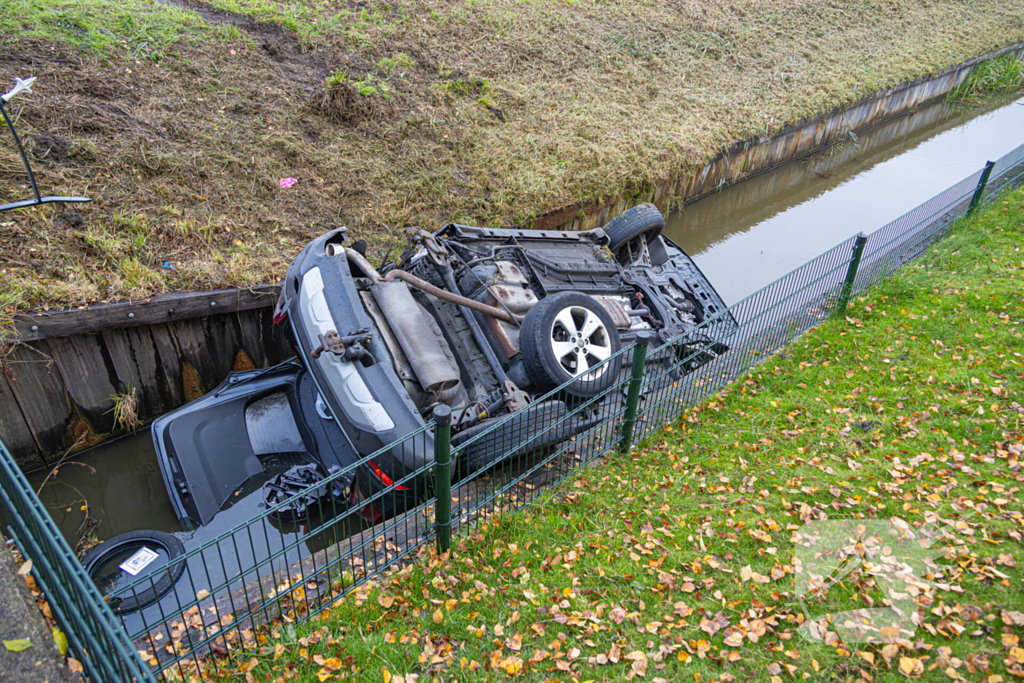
(166,543)
(542,331)
(528,427)
(641,221)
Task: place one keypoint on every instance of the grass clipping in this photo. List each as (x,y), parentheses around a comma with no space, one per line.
(180,123)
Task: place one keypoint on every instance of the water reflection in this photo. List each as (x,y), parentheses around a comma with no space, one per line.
(752,233)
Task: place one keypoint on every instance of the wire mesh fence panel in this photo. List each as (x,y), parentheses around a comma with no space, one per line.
(315,542)
(94,634)
(1008,170)
(291,561)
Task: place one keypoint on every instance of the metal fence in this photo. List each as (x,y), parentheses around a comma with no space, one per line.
(297,557)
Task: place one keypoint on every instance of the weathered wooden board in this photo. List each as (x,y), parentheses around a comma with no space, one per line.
(87,378)
(168,365)
(14,430)
(144,355)
(38,389)
(159,309)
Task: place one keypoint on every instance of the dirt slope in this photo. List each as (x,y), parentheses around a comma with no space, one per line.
(180,119)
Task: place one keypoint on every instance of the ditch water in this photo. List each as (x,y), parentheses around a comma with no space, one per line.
(752,233)
(743,238)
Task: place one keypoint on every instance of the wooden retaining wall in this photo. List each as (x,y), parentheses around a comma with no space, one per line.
(59,379)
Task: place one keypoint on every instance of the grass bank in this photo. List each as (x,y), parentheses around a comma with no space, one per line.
(676,562)
(179,118)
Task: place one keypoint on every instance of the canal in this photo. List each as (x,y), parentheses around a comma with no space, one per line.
(752,233)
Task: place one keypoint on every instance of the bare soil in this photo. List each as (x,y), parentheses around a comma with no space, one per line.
(179,118)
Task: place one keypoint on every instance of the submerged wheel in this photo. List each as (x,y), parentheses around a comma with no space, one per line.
(147,553)
(564,337)
(641,222)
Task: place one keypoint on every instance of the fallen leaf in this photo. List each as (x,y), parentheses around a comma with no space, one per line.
(18,645)
(912,667)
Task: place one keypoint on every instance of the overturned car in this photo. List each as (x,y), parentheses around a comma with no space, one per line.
(485,321)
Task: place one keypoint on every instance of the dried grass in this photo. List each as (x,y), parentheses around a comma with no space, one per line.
(179,124)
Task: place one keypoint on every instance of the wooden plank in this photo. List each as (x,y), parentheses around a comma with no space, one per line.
(14,430)
(39,391)
(120,353)
(195,351)
(250,331)
(146,362)
(222,344)
(168,365)
(125,359)
(83,368)
(159,309)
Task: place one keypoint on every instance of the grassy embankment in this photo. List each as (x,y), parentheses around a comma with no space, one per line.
(676,562)
(179,121)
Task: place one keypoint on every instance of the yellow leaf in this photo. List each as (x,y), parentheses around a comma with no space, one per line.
(438,617)
(512,665)
(911,667)
(278,651)
(387,674)
(18,645)
(60,640)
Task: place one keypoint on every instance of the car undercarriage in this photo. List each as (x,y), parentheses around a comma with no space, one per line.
(485,321)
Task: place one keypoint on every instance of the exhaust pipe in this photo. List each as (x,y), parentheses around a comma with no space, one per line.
(410,327)
(369,271)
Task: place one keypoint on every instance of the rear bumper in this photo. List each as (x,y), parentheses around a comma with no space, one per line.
(369,402)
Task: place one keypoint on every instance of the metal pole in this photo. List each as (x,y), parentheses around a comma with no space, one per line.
(851,271)
(643,339)
(21,150)
(979,192)
(443,477)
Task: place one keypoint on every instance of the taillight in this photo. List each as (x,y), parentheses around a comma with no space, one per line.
(384,478)
(279,311)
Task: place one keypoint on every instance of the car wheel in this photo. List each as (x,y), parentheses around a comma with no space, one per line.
(641,222)
(533,428)
(152,552)
(565,337)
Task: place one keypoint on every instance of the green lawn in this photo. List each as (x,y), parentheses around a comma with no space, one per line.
(676,562)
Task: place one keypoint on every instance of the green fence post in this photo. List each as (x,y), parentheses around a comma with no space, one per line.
(643,339)
(851,271)
(443,477)
(979,192)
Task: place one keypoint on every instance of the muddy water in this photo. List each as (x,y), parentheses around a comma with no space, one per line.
(111,489)
(752,233)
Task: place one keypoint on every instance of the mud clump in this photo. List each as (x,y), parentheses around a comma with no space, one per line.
(280,46)
(341,102)
(55,148)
